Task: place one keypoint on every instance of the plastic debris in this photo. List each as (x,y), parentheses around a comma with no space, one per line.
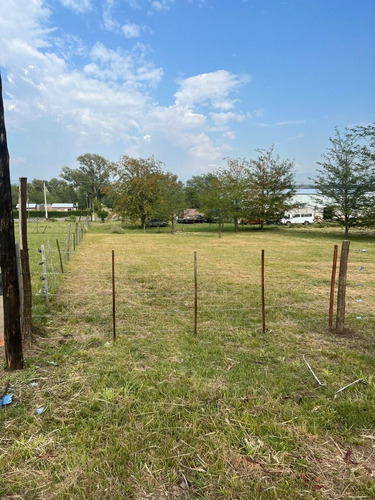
(6,399)
(40,410)
(364,250)
(359,300)
(34,384)
(359,284)
(52,363)
(358,317)
(361,268)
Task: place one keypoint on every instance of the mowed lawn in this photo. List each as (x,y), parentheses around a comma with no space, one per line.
(230,413)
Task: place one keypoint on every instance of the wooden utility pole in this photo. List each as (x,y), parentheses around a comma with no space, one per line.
(25,264)
(8,259)
(341,292)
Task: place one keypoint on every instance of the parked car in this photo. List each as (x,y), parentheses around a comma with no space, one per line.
(157,223)
(186,219)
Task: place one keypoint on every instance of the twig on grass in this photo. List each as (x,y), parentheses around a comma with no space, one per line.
(312,371)
(346,386)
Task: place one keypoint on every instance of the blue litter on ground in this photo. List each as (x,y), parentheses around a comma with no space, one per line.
(6,399)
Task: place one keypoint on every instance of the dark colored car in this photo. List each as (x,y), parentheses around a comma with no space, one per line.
(157,223)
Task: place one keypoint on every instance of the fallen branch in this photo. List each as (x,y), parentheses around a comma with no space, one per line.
(346,386)
(312,371)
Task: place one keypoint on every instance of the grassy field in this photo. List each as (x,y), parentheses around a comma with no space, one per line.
(231,413)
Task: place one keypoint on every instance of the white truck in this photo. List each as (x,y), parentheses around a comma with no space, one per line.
(298,218)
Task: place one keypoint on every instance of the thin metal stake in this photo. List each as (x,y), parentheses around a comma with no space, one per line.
(113,296)
(196,295)
(263,298)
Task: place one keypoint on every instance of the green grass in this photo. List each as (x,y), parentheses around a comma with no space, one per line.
(232,413)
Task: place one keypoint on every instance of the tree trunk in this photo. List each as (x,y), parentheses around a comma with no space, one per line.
(235,225)
(8,260)
(346,226)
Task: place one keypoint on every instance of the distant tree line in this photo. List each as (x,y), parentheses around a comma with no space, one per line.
(259,189)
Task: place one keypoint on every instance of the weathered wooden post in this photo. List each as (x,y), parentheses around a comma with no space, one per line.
(332,290)
(8,260)
(52,265)
(25,262)
(341,292)
(67,244)
(1,312)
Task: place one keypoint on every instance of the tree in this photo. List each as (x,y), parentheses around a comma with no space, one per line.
(35,191)
(8,261)
(234,180)
(90,179)
(346,179)
(136,187)
(61,191)
(172,199)
(271,187)
(212,198)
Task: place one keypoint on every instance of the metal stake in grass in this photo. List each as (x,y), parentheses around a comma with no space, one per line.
(196,295)
(113,296)
(263,298)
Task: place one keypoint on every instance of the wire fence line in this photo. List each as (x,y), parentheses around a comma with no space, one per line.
(140,295)
(228,297)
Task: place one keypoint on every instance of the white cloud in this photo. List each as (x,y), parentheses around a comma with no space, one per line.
(109,100)
(215,88)
(226,117)
(131,30)
(78,6)
(109,22)
(161,4)
(282,123)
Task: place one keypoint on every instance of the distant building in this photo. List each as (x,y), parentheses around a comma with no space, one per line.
(310,200)
(29,206)
(60,207)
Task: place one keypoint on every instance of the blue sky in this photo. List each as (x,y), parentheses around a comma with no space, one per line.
(187,81)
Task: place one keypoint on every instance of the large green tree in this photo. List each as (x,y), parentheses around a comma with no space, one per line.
(212,197)
(90,179)
(234,183)
(136,189)
(271,186)
(171,199)
(346,177)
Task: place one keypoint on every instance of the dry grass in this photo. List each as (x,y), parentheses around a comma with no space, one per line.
(231,414)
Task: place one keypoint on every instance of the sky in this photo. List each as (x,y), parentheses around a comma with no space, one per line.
(190,82)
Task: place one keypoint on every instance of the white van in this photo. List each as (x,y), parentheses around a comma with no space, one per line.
(298,218)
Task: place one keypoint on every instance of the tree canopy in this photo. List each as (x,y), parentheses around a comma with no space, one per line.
(90,179)
(346,178)
(136,187)
(271,186)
